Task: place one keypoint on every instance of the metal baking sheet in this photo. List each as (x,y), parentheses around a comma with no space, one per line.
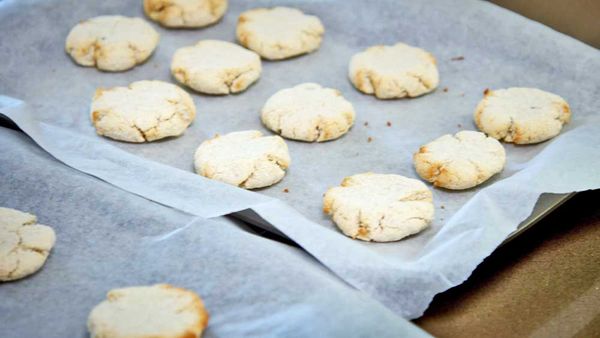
(404,275)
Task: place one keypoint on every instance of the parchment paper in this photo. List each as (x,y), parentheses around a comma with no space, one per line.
(500,49)
(106,239)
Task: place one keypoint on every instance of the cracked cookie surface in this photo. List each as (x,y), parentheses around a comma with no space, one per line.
(185,13)
(460,161)
(308,112)
(280,32)
(160,310)
(397,71)
(246,159)
(521,115)
(24,245)
(216,67)
(142,112)
(111,43)
(379,207)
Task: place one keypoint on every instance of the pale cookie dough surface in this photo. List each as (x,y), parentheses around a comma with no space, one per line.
(147,312)
(280,32)
(521,115)
(396,71)
(216,67)
(460,161)
(24,245)
(111,43)
(142,112)
(308,112)
(245,159)
(379,207)
(185,13)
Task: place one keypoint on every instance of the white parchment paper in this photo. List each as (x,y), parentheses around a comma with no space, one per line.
(251,286)
(500,49)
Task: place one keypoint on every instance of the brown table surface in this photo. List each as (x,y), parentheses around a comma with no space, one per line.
(545,283)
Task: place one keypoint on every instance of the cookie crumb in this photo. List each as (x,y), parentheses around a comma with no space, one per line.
(370,139)
(389,124)
(366,123)
(443,207)
(286,190)
(445,89)
(458,58)
(486,91)
(459,125)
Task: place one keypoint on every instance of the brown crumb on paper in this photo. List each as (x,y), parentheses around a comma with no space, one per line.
(445,89)
(366,123)
(458,58)
(370,139)
(443,207)
(459,125)
(389,124)
(486,91)
(286,190)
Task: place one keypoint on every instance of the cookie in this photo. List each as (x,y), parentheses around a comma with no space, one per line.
(185,13)
(379,207)
(111,43)
(142,112)
(216,67)
(280,32)
(521,115)
(460,161)
(245,159)
(308,112)
(24,245)
(391,72)
(148,311)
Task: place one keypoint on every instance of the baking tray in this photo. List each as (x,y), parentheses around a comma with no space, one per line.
(404,276)
(544,206)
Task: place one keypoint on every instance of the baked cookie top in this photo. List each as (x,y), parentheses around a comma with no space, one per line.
(185,13)
(149,311)
(379,207)
(111,43)
(280,32)
(308,112)
(521,115)
(460,161)
(144,111)
(246,159)
(24,245)
(216,67)
(395,71)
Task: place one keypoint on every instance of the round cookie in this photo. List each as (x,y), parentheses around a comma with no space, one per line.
(216,67)
(521,115)
(185,13)
(111,43)
(142,112)
(245,159)
(280,32)
(308,112)
(379,207)
(396,71)
(460,161)
(24,245)
(149,311)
